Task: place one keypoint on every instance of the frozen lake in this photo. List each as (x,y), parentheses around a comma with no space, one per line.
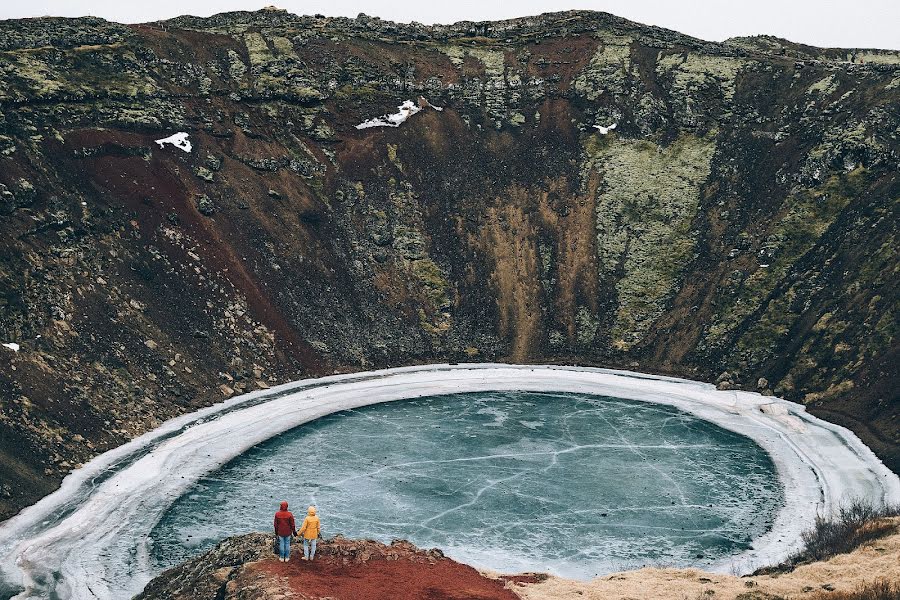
(575,484)
(91,539)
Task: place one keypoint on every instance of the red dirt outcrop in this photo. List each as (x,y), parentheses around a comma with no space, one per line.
(245,568)
(366,570)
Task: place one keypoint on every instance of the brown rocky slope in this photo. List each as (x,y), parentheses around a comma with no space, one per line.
(738,224)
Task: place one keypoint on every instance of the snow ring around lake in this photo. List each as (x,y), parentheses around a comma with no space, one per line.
(89,539)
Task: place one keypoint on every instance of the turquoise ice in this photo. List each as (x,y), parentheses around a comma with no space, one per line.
(573,484)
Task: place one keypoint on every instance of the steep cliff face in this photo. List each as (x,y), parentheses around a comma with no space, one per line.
(737,224)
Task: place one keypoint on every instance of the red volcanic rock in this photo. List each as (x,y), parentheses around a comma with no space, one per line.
(244,568)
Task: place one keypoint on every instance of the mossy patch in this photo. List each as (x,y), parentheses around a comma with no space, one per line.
(586,327)
(402,218)
(607,69)
(257,49)
(107,70)
(824,86)
(494,61)
(392,156)
(692,72)
(283,46)
(236,67)
(433,280)
(646,205)
(354,93)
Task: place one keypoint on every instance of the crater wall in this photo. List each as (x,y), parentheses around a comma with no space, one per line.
(738,224)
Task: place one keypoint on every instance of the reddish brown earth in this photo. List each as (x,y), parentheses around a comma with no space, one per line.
(378,578)
(244,568)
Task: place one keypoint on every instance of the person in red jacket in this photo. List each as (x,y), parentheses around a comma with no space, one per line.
(284,529)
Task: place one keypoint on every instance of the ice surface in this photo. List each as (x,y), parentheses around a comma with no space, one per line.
(590,485)
(179,140)
(90,538)
(11,346)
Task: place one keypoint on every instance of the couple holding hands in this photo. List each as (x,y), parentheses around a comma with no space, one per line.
(285,527)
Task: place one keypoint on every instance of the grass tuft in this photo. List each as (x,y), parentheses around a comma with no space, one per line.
(856,522)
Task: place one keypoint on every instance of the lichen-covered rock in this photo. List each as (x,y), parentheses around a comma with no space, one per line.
(645,212)
(208,575)
(205,205)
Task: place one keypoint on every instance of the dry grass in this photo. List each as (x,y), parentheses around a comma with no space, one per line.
(881,589)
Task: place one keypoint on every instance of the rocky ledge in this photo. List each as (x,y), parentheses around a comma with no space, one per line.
(245,568)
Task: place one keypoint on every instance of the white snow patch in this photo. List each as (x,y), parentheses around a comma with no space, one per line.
(604,130)
(12,346)
(90,538)
(179,140)
(404,112)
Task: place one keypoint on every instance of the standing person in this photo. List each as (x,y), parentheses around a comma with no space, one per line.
(310,530)
(284,529)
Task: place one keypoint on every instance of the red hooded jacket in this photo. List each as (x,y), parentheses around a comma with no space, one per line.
(284,522)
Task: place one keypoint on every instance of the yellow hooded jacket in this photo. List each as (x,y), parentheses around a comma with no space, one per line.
(310,527)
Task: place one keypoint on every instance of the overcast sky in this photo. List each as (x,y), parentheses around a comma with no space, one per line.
(844,23)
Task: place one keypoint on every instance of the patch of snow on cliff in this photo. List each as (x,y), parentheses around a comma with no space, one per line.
(404,112)
(179,140)
(604,130)
(12,346)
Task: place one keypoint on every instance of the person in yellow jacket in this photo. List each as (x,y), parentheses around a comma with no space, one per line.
(311,530)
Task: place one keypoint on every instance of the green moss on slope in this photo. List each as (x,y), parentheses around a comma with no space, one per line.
(646,205)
